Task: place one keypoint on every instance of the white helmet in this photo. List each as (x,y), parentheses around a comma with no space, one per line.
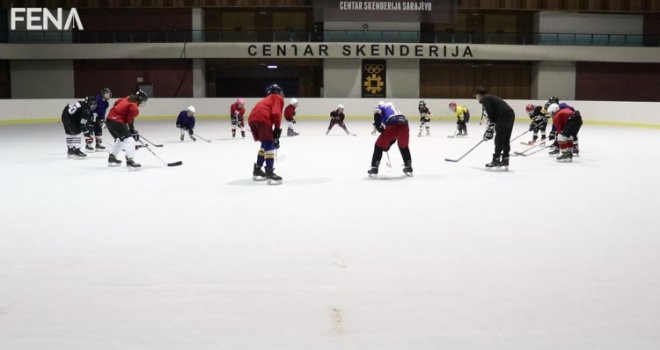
(293,101)
(190,109)
(553,108)
(340,106)
(381,103)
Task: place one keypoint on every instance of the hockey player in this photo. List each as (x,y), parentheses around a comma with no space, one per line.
(554,149)
(539,122)
(500,124)
(120,124)
(393,127)
(97,121)
(462,118)
(237,110)
(568,123)
(75,119)
(186,122)
(289,115)
(337,118)
(265,120)
(424,119)
(376,115)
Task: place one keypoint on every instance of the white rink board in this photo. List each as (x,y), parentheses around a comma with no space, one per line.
(592,111)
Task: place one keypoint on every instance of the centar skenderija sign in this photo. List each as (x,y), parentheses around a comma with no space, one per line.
(338,50)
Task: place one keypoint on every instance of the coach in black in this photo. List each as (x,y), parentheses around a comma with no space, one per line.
(500,124)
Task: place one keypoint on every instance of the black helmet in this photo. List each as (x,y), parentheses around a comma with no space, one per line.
(422,103)
(91,102)
(142,97)
(273,89)
(106,90)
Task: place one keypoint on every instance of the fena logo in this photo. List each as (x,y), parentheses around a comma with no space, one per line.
(37,18)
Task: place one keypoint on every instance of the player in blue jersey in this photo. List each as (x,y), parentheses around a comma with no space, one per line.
(97,122)
(186,122)
(393,127)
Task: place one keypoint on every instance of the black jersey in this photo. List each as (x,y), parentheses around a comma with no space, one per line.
(496,108)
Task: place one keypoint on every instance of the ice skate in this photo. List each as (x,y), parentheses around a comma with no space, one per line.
(576,151)
(497,164)
(290,132)
(89,147)
(272,178)
(76,153)
(192,137)
(373,171)
(258,174)
(554,151)
(181,138)
(131,164)
(99,147)
(407,169)
(243,134)
(419,134)
(565,157)
(113,161)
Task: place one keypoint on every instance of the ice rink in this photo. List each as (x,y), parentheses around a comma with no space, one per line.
(544,256)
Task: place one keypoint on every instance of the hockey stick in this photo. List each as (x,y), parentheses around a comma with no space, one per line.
(517,137)
(529,149)
(161,160)
(153,144)
(466,153)
(201,138)
(537,151)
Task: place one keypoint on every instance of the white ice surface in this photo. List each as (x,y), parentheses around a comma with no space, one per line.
(545,256)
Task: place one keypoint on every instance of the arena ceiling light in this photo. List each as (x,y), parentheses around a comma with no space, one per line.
(271,66)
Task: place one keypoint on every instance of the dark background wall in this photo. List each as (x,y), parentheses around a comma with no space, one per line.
(441,79)
(617,81)
(136,19)
(170,78)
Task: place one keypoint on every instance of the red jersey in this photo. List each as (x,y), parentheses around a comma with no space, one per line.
(235,111)
(560,119)
(124,111)
(268,110)
(289,112)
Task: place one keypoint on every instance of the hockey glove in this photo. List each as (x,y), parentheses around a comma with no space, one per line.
(490,132)
(293,121)
(277,133)
(135,135)
(276,143)
(379,127)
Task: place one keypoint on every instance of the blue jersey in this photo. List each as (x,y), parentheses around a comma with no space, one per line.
(388,115)
(184,121)
(101,107)
(564,105)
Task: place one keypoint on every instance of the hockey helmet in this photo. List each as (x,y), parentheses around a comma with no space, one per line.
(381,103)
(452,105)
(553,99)
(240,100)
(190,109)
(293,101)
(273,89)
(106,93)
(340,106)
(553,108)
(142,97)
(529,108)
(422,103)
(91,102)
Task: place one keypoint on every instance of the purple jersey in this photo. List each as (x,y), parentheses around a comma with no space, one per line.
(101,107)
(184,121)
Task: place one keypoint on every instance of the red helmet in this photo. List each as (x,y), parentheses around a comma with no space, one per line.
(529,108)
(452,104)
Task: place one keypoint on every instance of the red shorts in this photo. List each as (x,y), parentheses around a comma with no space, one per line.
(398,132)
(261,131)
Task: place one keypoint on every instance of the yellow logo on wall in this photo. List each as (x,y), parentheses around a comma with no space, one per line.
(373,79)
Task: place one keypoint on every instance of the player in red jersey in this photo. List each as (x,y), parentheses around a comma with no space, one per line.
(289,114)
(120,123)
(237,110)
(568,123)
(265,120)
